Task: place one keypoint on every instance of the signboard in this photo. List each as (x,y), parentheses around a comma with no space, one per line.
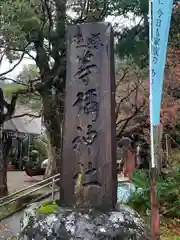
(161,16)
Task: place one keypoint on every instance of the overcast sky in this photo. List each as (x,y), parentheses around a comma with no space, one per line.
(5,66)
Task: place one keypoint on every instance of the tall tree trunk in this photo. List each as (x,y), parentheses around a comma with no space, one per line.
(3,168)
(3,177)
(53,79)
(5,140)
(52,112)
(6,143)
(54,154)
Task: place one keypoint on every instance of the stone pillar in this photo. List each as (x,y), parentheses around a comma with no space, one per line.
(88,167)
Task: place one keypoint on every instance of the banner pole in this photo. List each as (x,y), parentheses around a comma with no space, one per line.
(150,79)
(153,171)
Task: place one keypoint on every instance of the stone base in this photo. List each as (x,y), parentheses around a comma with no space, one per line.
(69,224)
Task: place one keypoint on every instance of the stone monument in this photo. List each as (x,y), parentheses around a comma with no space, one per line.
(88,168)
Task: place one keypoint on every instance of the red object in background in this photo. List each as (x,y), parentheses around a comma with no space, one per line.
(129,163)
(161,115)
(9,165)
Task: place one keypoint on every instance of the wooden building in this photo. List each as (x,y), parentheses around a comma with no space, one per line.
(22,127)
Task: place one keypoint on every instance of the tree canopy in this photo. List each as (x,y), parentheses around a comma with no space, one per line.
(37,29)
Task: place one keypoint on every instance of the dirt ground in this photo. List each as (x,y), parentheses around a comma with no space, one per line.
(17,180)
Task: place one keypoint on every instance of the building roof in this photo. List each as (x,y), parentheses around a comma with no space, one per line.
(24,124)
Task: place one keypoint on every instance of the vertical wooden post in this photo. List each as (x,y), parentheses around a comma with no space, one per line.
(154,201)
(154,205)
(88,167)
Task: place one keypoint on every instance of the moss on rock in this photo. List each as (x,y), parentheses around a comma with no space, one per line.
(48,207)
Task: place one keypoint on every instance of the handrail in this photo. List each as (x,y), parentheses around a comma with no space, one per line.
(27,188)
(23,195)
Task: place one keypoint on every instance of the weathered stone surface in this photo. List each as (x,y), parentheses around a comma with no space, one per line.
(67,224)
(89,139)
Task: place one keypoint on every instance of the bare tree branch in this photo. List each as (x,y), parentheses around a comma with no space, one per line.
(11,106)
(28,114)
(122,77)
(22,51)
(15,65)
(2,56)
(13,80)
(123,99)
(128,119)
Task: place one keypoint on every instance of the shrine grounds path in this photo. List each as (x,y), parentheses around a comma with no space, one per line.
(18,179)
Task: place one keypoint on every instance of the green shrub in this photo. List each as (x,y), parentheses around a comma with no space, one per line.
(168,187)
(41,146)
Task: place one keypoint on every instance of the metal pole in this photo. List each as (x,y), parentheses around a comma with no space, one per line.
(153,194)
(27,188)
(25,194)
(53,185)
(167,149)
(21,157)
(29,143)
(153,165)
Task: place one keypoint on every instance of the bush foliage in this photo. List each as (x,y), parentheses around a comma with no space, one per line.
(168,188)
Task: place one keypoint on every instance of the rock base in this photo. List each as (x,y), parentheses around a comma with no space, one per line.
(69,224)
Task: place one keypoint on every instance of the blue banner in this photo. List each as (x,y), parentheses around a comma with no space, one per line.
(161,17)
